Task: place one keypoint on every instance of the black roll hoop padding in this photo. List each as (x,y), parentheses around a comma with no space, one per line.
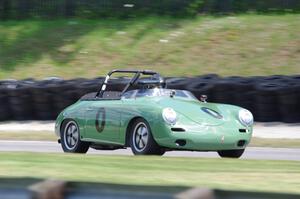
(133,80)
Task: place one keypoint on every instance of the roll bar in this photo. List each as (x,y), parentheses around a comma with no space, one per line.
(133,80)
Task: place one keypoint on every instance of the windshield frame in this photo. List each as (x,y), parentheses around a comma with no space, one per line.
(158,92)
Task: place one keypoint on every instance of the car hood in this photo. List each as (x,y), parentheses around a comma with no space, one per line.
(200,112)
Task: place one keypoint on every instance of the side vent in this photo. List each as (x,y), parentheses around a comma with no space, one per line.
(241,143)
(177,129)
(180,142)
(242,130)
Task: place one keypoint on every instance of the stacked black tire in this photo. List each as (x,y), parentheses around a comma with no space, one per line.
(270,99)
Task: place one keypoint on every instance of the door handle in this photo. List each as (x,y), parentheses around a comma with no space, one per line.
(89,109)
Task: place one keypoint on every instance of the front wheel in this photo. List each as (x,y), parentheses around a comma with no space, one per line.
(231,153)
(141,139)
(70,138)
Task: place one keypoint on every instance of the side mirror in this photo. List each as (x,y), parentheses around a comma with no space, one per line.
(203,98)
(172,93)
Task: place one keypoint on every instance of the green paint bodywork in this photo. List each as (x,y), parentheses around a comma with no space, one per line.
(203,132)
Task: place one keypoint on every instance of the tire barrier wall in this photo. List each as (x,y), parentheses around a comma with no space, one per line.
(271,98)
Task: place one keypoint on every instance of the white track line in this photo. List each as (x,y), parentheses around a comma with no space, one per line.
(260,153)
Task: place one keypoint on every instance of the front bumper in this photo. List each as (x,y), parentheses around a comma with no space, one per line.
(206,138)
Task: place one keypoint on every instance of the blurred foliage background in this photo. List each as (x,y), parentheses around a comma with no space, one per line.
(20,9)
(86,38)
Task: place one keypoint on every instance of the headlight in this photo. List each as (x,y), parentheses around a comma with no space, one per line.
(246,117)
(169,115)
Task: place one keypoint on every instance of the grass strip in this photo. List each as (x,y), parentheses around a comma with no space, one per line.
(230,174)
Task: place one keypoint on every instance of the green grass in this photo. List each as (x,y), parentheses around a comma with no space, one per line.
(28,135)
(259,175)
(49,136)
(281,143)
(229,45)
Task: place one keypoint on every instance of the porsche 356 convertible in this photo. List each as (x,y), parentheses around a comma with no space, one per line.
(152,119)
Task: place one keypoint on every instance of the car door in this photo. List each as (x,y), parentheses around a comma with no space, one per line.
(103,120)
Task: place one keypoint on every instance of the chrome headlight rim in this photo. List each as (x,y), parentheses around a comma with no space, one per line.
(246,117)
(169,116)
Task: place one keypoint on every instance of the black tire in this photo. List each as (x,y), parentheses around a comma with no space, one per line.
(148,145)
(231,153)
(69,136)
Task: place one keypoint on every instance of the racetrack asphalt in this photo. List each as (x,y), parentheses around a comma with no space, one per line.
(259,153)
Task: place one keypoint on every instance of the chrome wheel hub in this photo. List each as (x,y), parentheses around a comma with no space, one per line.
(71,135)
(140,137)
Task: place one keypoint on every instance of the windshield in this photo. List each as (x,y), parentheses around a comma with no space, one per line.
(157,92)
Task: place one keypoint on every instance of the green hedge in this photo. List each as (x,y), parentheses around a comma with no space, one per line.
(20,9)
(238,6)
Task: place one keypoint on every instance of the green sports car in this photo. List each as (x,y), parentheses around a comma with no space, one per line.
(152,119)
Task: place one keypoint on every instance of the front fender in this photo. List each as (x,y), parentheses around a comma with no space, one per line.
(60,118)
(74,112)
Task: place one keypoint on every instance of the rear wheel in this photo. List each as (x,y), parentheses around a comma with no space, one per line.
(70,138)
(231,153)
(141,139)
